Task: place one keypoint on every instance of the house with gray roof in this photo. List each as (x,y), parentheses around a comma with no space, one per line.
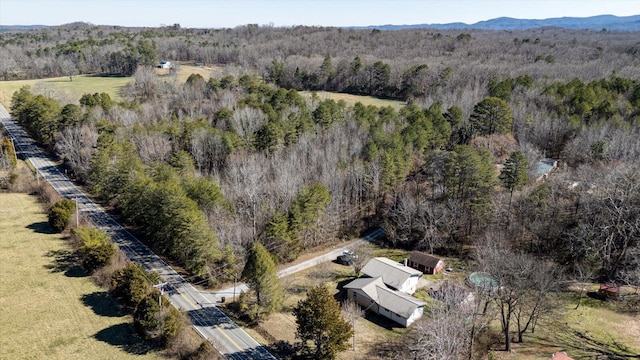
(373,295)
(394,274)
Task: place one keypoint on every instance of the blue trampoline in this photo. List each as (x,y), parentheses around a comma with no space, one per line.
(483,280)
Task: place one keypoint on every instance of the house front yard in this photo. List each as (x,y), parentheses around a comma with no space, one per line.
(279,329)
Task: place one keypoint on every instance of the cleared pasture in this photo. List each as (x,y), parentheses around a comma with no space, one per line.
(50,309)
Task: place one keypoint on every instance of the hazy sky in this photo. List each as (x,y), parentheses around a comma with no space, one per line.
(230,13)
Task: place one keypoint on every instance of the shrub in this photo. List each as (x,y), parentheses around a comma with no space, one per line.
(96,250)
(131,284)
(60,214)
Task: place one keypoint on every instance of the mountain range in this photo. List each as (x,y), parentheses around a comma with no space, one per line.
(600,22)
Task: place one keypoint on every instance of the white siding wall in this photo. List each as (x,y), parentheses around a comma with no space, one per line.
(409,286)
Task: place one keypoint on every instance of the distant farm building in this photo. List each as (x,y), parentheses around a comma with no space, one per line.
(164,64)
(426,263)
(544,167)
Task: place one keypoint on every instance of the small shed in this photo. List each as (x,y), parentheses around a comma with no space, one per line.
(427,263)
(609,291)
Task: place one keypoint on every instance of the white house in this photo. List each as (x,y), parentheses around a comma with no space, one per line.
(164,64)
(373,295)
(394,274)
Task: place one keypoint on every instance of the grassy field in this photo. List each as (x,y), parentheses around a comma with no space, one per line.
(596,330)
(65,89)
(50,309)
(71,91)
(352,99)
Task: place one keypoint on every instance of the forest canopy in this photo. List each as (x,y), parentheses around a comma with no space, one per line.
(203,169)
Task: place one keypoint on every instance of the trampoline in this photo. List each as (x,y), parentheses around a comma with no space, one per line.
(483,280)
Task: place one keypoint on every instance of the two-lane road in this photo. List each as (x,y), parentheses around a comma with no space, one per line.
(207,319)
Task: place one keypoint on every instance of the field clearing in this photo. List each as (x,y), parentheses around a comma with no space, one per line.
(67,91)
(352,99)
(62,88)
(71,91)
(51,310)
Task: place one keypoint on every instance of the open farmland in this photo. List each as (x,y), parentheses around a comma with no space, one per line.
(63,88)
(51,310)
(71,91)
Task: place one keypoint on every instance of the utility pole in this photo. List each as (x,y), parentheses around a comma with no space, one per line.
(253,202)
(77,213)
(235,278)
(161,287)
(15,155)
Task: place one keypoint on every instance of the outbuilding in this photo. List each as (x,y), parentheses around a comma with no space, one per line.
(427,263)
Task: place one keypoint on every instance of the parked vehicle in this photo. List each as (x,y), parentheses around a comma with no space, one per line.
(345,260)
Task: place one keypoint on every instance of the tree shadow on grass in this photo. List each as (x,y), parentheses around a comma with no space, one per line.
(124,337)
(583,344)
(65,261)
(102,304)
(41,227)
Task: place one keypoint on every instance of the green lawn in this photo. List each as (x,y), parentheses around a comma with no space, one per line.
(50,309)
(64,88)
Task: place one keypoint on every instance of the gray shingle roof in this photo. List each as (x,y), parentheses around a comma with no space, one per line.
(393,273)
(394,301)
(425,259)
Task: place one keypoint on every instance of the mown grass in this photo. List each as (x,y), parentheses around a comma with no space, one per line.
(63,88)
(50,309)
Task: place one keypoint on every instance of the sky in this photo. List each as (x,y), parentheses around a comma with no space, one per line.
(231,13)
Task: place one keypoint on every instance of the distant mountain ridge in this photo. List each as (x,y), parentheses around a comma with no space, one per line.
(600,22)
(20,27)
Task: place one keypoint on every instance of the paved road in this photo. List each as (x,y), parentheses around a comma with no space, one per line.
(332,255)
(208,320)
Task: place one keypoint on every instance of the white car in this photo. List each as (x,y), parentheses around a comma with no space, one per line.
(350,253)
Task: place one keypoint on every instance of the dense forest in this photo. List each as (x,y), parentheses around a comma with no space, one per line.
(203,168)
(248,156)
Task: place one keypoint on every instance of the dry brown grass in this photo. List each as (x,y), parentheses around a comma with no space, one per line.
(597,329)
(71,91)
(352,99)
(51,310)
